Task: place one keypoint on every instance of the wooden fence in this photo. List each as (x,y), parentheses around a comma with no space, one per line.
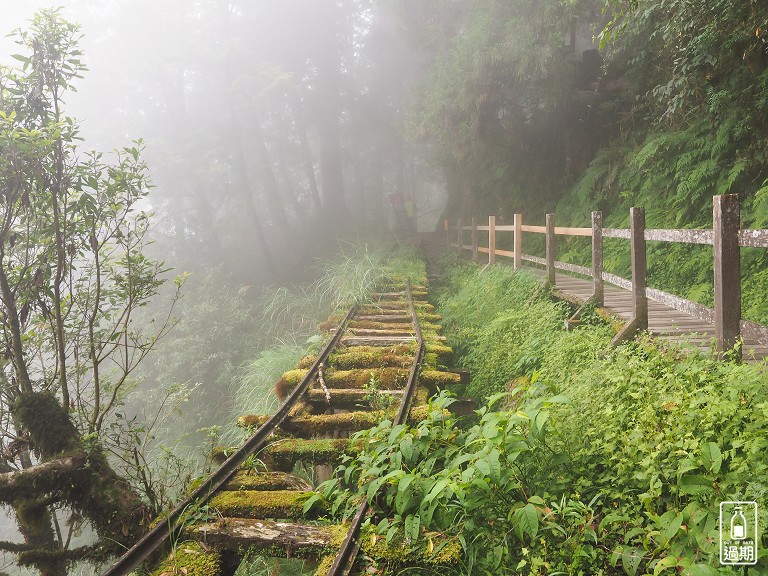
(725,237)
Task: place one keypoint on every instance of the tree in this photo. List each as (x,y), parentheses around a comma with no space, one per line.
(72,275)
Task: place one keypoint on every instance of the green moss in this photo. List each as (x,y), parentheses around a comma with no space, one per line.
(443,352)
(285,454)
(430,361)
(263,504)
(438,379)
(325,565)
(420,412)
(419,305)
(190,559)
(273,480)
(374,325)
(47,422)
(219,454)
(307,361)
(373,357)
(322,424)
(388,378)
(441,551)
(293,377)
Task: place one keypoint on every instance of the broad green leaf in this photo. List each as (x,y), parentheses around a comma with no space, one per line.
(664,564)
(526,519)
(494,467)
(711,457)
(671,529)
(700,570)
(406,447)
(412,525)
(695,484)
(310,502)
(630,560)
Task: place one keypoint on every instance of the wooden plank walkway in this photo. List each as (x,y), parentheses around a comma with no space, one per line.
(663,322)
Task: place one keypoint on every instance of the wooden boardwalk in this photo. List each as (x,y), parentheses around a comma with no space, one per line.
(663,322)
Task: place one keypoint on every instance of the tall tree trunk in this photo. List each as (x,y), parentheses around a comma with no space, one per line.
(244,188)
(309,165)
(329,115)
(269,182)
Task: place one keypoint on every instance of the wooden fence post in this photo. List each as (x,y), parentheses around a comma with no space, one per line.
(460,234)
(550,248)
(491,239)
(639,319)
(518,246)
(447,235)
(474,240)
(639,267)
(598,290)
(725,225)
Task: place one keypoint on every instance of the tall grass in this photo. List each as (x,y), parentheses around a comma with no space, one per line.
(289,315)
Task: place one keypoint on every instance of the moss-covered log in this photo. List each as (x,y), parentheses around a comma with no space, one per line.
(434,379)
(373,357)
(416,294)
(371,325)
(386,378)
(280,538)
(419,305)
(407,332)
(351,398)
(274,480)
(309,426)
(284,455)
(44,478)
(263,504)
(385,341)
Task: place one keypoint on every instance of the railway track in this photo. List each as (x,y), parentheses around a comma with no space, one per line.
(380,354)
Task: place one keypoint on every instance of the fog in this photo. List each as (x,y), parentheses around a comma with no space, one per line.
(265,124)
(273,134)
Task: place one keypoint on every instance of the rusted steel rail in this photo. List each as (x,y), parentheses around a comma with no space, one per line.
(344,561)
(159,535)
(345,558)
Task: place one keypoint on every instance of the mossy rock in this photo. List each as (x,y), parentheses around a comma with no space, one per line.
(264,504)
(190,559)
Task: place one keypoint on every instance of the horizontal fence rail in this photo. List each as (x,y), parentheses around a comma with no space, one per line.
(725,237)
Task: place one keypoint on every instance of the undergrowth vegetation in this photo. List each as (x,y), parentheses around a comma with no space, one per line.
(586,459)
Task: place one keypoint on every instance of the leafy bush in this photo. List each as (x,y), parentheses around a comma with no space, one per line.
(608,460)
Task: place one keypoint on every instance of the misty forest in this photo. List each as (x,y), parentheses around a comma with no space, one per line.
(194,193)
